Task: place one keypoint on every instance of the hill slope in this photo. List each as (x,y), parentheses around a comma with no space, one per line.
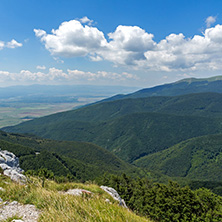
(55,204)
(130,136)
(197,104)
(81,160)
(182,87)
(197,159)
(202,104)
(132,128)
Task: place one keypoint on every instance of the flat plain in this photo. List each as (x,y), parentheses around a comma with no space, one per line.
(13,113)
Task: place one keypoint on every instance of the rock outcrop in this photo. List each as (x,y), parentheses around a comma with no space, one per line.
(78,192)
(112,192)
(28,212)
(10,166)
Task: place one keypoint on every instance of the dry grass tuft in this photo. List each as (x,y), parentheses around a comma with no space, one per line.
(58,207)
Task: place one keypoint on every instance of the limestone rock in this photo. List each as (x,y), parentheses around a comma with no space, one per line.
(112,192)
(10,166)
(28,212)
(78,192)
(15,176)
(9,159)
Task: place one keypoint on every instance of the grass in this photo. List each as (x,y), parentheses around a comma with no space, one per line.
(56,206)
(9,219)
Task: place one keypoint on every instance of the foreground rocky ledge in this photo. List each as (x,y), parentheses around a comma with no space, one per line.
(10,166)
(28,212)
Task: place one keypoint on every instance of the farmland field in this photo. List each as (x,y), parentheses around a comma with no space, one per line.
(23,103)
(15,113)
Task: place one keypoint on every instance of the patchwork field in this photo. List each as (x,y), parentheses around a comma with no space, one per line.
(22,103)
(15,113)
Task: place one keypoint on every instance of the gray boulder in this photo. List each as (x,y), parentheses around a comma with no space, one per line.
(112,192)
(10,166)
(9,159)
(78,192)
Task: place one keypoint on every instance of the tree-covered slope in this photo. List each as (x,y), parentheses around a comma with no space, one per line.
(81,160)
(203,104)
(139,134)
(132,128)
(198,104)
(130,136)
(182,87)
(197,159)
(168,203)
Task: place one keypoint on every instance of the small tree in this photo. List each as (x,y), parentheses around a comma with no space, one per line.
(45,174)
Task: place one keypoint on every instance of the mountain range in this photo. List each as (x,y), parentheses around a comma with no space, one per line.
(181,87)
(173,129)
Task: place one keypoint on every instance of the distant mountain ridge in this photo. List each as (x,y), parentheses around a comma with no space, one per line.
(138,125)
(181,87)
(192,79)
(132,128)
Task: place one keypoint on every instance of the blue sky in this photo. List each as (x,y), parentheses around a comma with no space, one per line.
(136,43)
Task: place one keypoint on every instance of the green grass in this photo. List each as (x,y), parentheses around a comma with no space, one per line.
(61,208)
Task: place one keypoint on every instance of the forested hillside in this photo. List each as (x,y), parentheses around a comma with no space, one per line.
(182,87)
(133,128)
(157,133)
(196,159)
(81,161)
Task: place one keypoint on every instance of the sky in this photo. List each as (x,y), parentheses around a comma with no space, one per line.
(138,43)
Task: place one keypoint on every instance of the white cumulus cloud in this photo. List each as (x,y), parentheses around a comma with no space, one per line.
(210,21)
(11,45)
(90,76)
(41,67)
(72,39)
(176,52)
(2,44)
(133,46)
(54,75)
(85,19)
(128,45)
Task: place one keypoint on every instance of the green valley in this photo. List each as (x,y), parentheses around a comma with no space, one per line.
(132,128)
(195,159)
(160,137)
(82,161)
